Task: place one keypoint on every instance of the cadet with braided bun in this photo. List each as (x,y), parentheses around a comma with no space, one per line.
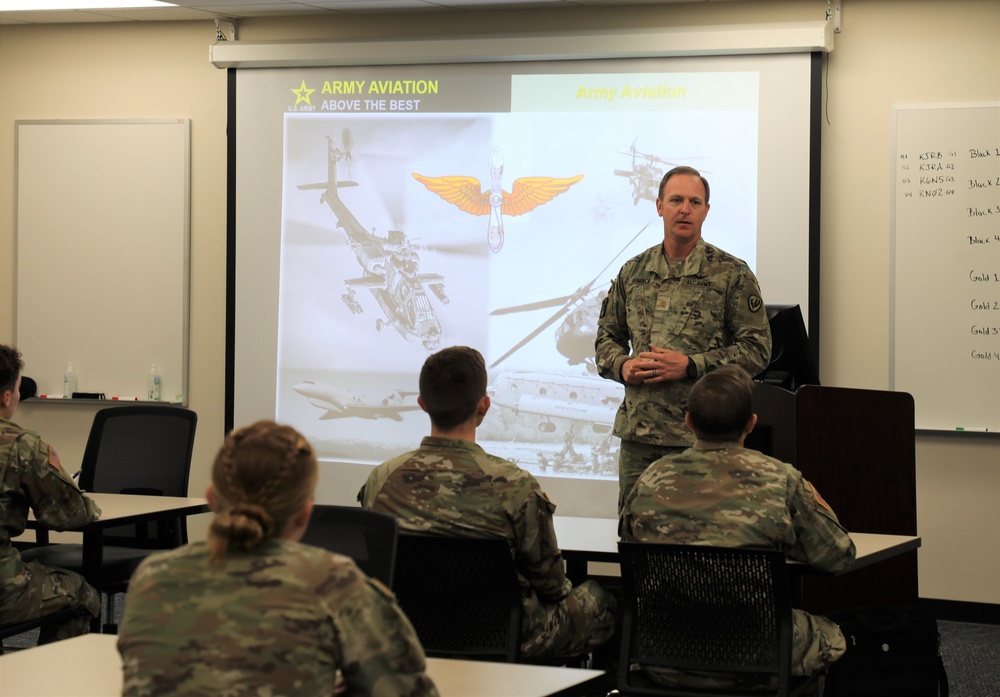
(253,499)
(253,611)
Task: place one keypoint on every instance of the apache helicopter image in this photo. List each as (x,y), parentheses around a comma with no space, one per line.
(390,265)
(342,403)
(526,194)
(645,175)
(575,336)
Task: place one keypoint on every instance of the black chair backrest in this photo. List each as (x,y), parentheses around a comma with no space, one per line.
(61,615)
(144,449)
(692,607)
(367,537)
(461,594)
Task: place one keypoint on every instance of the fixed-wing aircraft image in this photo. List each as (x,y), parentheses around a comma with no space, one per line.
(526,194)
(390,265)
(342,403)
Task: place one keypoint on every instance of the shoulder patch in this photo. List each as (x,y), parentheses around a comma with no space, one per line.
(755,303)
(54,459)
(819,499)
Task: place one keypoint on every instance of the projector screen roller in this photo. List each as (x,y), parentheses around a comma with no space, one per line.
(384,213)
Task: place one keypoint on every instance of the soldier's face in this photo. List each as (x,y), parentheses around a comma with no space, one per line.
(683,208)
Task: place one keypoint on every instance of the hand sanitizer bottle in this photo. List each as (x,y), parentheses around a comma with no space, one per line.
(69,381)
(154,384)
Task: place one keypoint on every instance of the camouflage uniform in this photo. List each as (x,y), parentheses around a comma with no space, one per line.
(453,487)
(281,620)
(30,475)
(707,306)
(724,495)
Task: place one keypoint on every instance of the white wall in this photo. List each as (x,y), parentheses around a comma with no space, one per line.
(921,51)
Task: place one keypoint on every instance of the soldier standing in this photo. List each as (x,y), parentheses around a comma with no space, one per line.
(675,311)
(32,476)
(721,494)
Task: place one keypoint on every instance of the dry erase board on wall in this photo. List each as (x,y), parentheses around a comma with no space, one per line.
(945,342)
(102,227)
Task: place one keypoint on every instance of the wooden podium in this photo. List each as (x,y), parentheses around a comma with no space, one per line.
(857,447)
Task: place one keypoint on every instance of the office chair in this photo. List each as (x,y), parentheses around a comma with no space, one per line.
(11,630)
(367,537)
(461,594)
(691,607)
(144,449)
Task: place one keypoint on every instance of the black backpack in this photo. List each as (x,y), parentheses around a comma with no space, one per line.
(891,652)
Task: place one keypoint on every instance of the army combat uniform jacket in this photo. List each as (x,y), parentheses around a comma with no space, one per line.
(724,495)
(281,620)
(31,476)
(707,306)
(453,487)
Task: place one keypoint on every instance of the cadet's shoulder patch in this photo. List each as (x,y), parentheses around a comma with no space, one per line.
(755,303)
(604,307)
(54,459)
(819,499)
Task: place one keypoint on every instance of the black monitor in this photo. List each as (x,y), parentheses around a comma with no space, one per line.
(793,361)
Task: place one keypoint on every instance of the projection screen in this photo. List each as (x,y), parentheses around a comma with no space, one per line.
(381,213)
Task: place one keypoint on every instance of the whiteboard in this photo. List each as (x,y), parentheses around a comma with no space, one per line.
(945,340)
(102,242)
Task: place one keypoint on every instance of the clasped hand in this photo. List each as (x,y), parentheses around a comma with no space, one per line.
(656,365)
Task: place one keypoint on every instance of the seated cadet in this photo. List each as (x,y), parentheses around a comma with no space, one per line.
(719,493)
(31,476)
(253,611)
(451,486)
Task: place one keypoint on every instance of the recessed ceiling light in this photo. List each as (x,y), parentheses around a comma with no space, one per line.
(12,5)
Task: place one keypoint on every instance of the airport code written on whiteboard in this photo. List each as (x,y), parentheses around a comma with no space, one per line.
(971,176)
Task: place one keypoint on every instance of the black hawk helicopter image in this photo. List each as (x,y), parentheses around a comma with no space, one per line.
(645,175)
(390,265)
(575,335)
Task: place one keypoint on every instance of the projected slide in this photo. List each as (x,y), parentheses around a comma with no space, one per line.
(419,214)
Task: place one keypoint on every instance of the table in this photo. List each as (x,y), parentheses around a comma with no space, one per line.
(123,509)
(89,665)
(584,540)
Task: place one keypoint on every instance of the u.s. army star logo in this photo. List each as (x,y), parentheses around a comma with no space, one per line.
(755,303)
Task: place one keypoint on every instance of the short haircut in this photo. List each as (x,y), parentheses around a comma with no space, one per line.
(11,366)
(682,169)
(721,403)
(452,381)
